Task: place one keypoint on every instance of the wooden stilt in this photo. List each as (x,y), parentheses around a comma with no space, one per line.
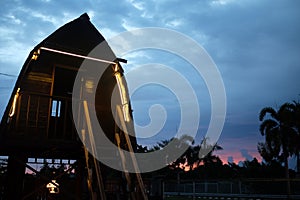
(94,152)
(133,159)
(15,178)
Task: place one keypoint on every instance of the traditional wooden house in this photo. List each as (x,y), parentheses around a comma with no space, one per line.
(38,120)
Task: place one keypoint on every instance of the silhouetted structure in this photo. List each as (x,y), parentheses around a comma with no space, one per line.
(38,120)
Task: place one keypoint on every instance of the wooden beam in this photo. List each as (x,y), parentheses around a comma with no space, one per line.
(93,148)
(134,161)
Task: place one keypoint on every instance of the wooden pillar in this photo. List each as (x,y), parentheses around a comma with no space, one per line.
(15,179)
(80,185)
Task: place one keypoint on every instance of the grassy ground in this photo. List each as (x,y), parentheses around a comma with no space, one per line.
(183,198)
(177,198)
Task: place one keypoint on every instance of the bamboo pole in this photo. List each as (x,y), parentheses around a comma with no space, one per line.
(134,161)
(93,148)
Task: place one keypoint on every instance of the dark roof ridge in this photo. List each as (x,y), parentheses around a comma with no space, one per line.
(84,16)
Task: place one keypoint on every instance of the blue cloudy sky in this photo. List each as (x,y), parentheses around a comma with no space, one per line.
(254,43)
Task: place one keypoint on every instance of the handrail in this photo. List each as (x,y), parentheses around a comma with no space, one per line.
(46,95)
(32,111)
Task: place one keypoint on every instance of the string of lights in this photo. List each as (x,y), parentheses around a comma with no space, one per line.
(78,55)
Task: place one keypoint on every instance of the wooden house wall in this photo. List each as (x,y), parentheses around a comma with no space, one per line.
(32,117)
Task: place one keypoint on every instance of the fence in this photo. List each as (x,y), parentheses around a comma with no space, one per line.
(236,189)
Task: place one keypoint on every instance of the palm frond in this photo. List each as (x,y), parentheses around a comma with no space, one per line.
(217,147)
(267,110)
(267,125)
(286,113)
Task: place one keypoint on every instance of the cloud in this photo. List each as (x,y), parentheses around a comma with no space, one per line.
(246,154)
(230,159)
(221,2)
(13,19)
(137,4)
(174,23)
(107,33)
(255,45)
(127,25)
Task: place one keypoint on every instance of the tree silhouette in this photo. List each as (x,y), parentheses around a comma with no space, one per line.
(193,156)
(295,124)
(206,152)
(278,132)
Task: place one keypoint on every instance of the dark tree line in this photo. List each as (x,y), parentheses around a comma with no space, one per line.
(191,166)
(281,129)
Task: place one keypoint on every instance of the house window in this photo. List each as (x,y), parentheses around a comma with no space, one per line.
(56,106)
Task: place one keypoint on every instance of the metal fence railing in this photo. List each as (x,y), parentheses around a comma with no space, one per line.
(245,188)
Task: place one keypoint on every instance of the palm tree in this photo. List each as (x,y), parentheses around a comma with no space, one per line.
(206,152)
(295,124)
(278,133)
(201,153)
(269,152)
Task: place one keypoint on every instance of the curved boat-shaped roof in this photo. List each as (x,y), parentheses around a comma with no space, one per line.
(41,77)
(78,36)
